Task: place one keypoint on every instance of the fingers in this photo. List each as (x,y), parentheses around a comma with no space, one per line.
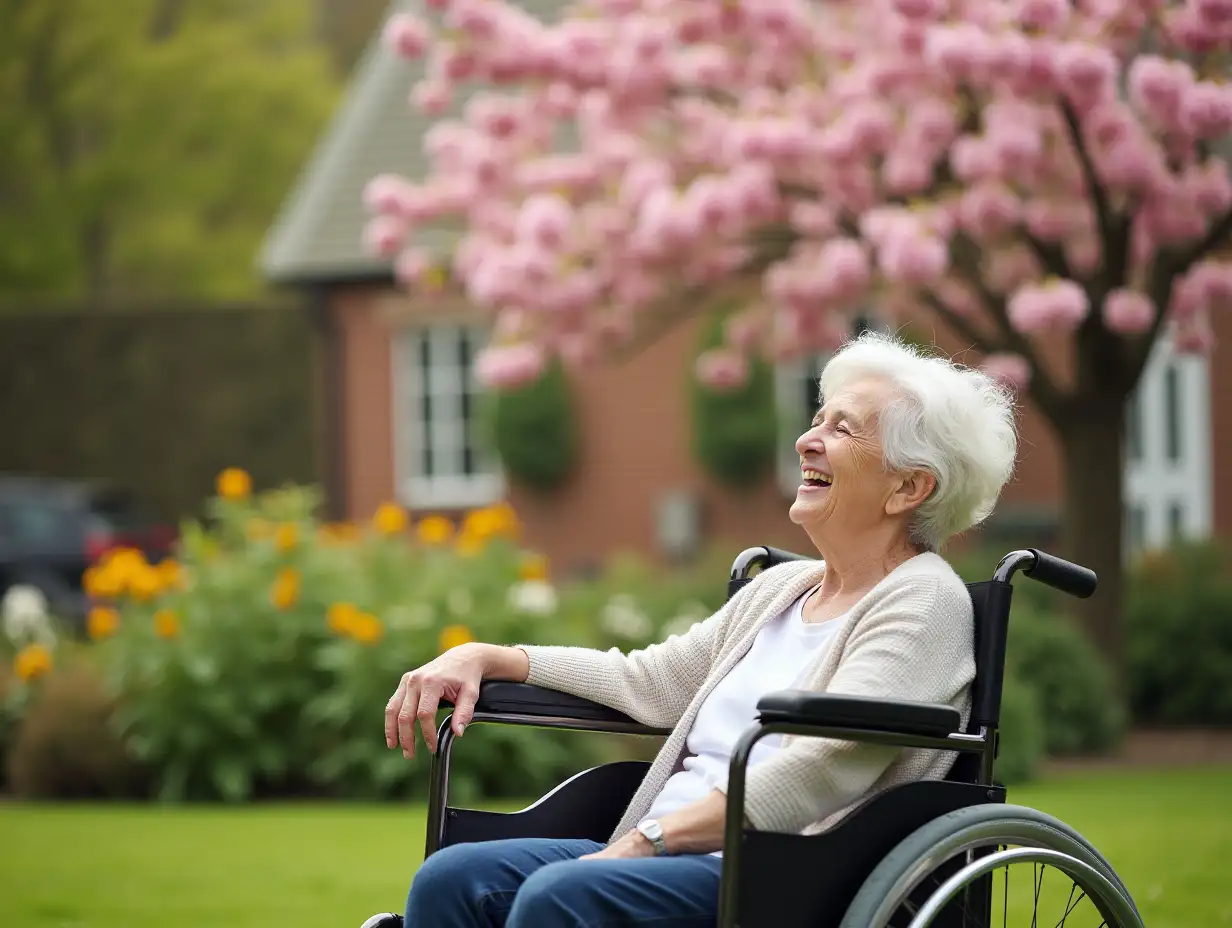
(464,708)
(391,711)
(406,718)
(429,702)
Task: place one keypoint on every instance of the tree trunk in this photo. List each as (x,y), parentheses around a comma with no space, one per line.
(1091,523)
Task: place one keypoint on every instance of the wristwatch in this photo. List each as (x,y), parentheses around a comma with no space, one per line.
(652,831)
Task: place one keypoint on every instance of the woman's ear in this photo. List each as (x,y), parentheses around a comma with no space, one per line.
(913,489)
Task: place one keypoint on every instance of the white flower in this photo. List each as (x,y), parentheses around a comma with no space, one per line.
(534,597)
(25,616)
(460,601)
(622,617)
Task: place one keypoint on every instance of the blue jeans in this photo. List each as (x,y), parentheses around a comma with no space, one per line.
(540,883)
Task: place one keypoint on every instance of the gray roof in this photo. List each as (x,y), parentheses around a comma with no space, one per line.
(318,235)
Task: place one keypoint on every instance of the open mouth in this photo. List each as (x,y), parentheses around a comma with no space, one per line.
(815,478)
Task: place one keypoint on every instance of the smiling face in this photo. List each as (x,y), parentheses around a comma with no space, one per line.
(845,487)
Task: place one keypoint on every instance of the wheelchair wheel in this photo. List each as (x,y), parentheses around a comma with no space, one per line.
(984,866)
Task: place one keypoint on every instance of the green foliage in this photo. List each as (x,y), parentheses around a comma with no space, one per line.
(1023,730)
(1179,636)
(145,146)
(735,432)
(534,430)
(1049,653)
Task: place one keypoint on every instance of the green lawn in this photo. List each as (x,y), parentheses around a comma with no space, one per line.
(329,866)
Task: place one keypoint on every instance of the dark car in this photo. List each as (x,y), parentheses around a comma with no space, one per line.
(52,530)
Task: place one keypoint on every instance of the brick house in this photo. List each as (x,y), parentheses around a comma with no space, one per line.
(398,394)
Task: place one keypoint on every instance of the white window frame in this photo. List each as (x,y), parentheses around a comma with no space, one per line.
(449,487)
(1161,478)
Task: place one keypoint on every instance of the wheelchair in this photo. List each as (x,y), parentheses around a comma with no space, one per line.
(924,854)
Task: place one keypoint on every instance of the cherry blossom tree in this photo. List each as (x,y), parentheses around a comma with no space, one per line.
(1041,176)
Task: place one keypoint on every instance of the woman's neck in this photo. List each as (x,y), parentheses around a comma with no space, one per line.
(856,569)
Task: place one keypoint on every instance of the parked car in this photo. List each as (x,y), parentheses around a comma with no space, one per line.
(52,530)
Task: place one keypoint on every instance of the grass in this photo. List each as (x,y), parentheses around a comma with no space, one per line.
(1167,834)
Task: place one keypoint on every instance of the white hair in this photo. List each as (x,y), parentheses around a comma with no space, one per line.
(952,421)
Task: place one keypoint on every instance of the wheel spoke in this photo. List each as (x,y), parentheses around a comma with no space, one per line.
(1039,884)
(1072,903)
(1005,901)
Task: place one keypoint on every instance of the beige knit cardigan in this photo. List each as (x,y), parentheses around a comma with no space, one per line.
(910,638)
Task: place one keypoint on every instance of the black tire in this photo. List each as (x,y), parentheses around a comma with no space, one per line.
(917,856)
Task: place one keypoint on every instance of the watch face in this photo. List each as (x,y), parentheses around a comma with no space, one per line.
(651,830)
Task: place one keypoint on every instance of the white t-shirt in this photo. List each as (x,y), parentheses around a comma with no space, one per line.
(781,652)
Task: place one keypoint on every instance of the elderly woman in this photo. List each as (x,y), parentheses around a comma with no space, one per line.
(904,452)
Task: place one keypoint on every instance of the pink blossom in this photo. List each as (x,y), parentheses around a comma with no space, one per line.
(1188,298)
(431,98)
(1194,336)
(958,296)
(505,367)
(920,9)
(809,217)
(389,194)
(744,331)
(1213,14)
(844,264)
(1059,304)
(1044,15)
(545,220)
(383,235)
(722,369)
(1157,86)
(1012,370)
(906,171)
(1088,72)
(988,210)
(914,260)
(410,266)
(1210,187)
(1128,312)
(1213,279)
(1207,110)
(1007,269)
(973,160)
(406,34)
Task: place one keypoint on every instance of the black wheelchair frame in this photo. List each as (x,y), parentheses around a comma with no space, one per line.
(817,876)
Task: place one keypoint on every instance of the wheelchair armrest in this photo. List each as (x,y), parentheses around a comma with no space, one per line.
(805,707)
(501,697)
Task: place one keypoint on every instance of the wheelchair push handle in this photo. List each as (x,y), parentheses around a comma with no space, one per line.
(1054,571)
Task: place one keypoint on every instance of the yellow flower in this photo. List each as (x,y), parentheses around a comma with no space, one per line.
(31,662)
(234,484)
(102,582)
(534,567)
(469,544)
(434,530)
(433,279)
(367,628)
(145,583)
(340,617)
(390,519)
(286,537)
(491,522)
(452,636)
(285,591)
(166,623)
(102,622)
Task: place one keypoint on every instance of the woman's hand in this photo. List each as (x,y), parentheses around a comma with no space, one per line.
(634,844)
(454,676)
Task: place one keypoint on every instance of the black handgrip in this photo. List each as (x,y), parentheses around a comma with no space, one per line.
(779,556)
(1062,575)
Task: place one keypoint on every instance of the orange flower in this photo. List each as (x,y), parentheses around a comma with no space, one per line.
(32,662)
(102,622)
(145,583)
(469,544)
(390,519)
(340,617)
(491,522)
(285,591)
(102,582)
(367,628)
(234,484)
(286,537)
(534,567)
(166,623)
(337,533)
(172,574)
(434,530)
(452,636)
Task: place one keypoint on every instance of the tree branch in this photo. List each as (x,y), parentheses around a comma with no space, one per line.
(1220,230)
(1050,255)
(965,330)
(1103,211)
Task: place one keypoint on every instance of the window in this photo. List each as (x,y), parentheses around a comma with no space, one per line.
(1168,480)
(441,460)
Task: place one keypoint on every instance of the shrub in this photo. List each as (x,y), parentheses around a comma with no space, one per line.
(1179,636)
(735,432)
(1022,744)
(534,430)
(67,746)
(1050,654)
